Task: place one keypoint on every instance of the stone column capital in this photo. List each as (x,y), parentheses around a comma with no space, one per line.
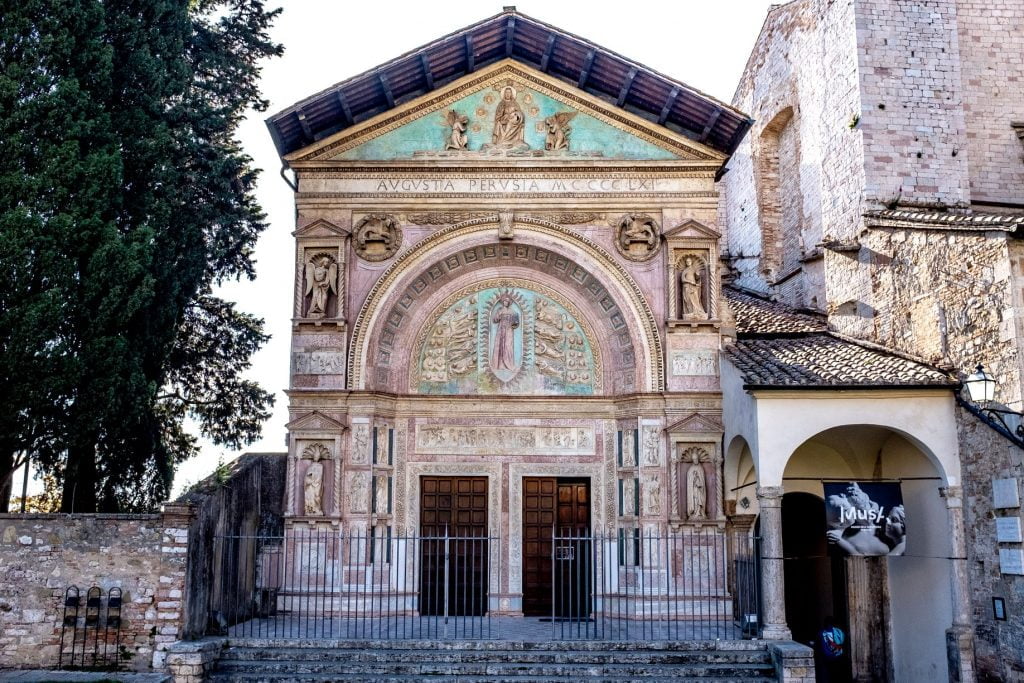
(770,496)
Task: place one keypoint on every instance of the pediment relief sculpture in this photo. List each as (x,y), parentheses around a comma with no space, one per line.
(509,128)
(637,236)
(321,277)
(559,129)
(457,137)
(377,237)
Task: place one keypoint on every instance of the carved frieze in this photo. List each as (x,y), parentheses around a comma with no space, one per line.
(377,237)
(505,440)
(637,236)
(444,217)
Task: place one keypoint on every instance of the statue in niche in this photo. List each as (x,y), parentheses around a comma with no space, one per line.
(377,237)
(696,488)
(313,483)
(505,320)
(652,497)
(321,282)
(509,123)
(457,137)
(651,458)
(691,285)
(360,443)
(558,131)
(637,237)
(382,495)
(358,492)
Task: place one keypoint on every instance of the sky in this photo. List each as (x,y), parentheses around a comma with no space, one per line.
(703,44)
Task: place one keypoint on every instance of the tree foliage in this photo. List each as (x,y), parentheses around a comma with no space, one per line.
(125,199)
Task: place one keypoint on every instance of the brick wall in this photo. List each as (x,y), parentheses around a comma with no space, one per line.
(41,555)
(991,41)
(911,115)
(805,61)
(999,645)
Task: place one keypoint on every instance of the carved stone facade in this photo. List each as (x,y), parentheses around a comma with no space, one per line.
(487,320)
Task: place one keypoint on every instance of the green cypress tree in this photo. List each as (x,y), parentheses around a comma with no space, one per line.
(124,200)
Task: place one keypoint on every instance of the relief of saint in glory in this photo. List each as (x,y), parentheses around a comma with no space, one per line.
(696,489)
(314,486)
(509,122)
(321,281)
(691,281)
(505,321)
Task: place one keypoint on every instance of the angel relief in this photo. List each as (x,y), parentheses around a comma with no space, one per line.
(321,282)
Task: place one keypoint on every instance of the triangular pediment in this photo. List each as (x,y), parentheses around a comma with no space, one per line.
(508,112)
(695,422)
(692,229)
(321,228)
(314,421)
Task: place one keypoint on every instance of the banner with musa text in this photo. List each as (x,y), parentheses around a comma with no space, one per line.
(865,518)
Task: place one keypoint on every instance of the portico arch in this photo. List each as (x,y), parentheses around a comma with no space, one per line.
(614,301)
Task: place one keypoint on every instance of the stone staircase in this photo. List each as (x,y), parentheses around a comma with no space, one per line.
(299,661)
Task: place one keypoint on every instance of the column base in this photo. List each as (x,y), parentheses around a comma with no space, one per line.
(776,632)
(960,654)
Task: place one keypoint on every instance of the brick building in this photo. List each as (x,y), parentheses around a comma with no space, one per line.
(882,189)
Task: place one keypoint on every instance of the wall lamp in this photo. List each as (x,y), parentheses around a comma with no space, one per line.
(981,389)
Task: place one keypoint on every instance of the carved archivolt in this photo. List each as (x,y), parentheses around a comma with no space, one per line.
(638,309)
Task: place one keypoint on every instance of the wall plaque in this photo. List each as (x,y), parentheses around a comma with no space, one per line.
(1008,530)
(1011,561)
(1005,493)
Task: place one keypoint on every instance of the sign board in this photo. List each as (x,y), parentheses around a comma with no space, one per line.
(865,518)
(1005,493)
(1008,530)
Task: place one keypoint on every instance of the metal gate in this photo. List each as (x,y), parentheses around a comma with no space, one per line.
(696,583)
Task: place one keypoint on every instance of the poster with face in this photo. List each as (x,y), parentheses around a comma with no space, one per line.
(865,518)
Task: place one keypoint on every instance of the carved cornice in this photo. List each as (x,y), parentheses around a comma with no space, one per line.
(376,297)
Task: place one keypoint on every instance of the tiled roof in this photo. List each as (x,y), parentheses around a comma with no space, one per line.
(512,35)
(756,316)
(906,218)
(823,360)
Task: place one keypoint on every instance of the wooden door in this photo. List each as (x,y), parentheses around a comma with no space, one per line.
(454,546)
(556,576)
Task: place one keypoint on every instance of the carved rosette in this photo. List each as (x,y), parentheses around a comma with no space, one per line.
(376,237)
(637,236)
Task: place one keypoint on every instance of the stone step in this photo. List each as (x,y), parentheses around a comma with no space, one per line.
(500,668)
(319,678)
(526,655)
(497,644)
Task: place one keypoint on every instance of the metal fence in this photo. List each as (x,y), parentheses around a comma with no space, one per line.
(697,583)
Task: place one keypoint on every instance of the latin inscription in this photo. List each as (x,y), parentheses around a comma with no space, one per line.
(1008,530)
(524,185)
(505,440)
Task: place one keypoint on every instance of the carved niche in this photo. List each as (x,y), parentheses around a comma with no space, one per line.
(695,483)
(637,236)
(314,479)
(320,273)
(376,237)
(693,285)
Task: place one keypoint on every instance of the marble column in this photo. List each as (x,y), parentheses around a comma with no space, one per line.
(959,638)
(773,589)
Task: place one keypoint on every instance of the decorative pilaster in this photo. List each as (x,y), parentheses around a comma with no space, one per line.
(773,590)
(959,638)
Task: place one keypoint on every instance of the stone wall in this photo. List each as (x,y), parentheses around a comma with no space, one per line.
(991,42)
(41,555)
(999,645)
(244,499)
(804,62)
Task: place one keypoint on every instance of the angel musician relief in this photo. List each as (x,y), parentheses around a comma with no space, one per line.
(321,281)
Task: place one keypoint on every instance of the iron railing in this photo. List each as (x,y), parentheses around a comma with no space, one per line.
(695,583)
(90,634)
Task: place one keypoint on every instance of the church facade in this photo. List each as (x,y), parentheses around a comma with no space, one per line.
(513,316)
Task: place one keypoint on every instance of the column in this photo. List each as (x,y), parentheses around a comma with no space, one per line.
(773,590)
(959,638)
